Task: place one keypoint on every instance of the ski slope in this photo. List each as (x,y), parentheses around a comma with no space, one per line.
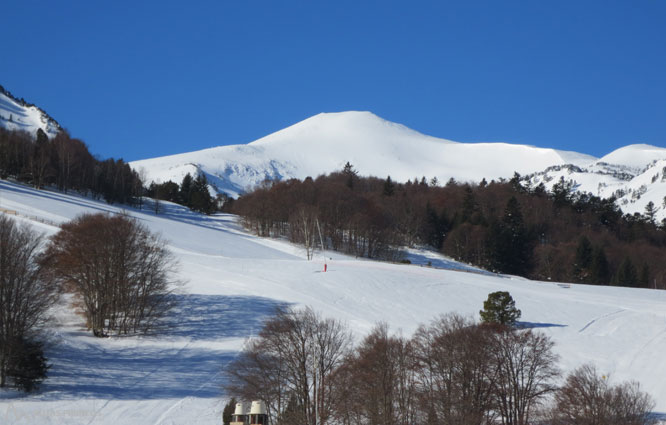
(232,280)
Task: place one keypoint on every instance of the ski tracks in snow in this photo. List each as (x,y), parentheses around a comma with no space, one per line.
(593,321)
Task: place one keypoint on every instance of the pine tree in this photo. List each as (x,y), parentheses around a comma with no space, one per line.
(200,199)
(435,228)
(651,212)
(500,308)
(626,274)
(389,187)
(508,242)
(583,260)
(644,278)
(228,411)
(470,209)
(599,270)
(351,174)
(186,190)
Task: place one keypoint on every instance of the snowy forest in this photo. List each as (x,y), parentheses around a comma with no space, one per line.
(502,226)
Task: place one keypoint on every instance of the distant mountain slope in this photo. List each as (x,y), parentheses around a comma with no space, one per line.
(634,174)
(325,142)
(17,114)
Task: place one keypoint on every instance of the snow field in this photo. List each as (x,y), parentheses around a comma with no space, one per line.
(232,281)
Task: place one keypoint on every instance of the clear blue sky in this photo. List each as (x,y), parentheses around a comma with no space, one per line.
(139,79)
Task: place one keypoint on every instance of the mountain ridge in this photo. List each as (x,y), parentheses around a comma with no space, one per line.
(325,142)
(17,114)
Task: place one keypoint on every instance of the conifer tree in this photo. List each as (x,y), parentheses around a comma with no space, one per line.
(583,260)
(626,274)
(500,308)
(389,187)
(599,270)
(651,212)
(186,190)
(509,243)
(644,278)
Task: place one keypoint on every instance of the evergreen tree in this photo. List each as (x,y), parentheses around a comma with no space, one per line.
(599,270)
(644,278)
(562,191)
(186,190)
(200,199)
(500,308)
(515,183)
(626,274)
(435,227)
(389,187)
(351,174)
(583,260)
(228,411)
(651,212)
(509,243)
(29,366)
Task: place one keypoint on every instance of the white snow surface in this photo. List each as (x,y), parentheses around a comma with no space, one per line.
(14,116)
(325,142)
(636,156)
(635,175)
(233,280)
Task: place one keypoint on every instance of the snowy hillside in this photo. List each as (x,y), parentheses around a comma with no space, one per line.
(325,142)
(18,115)
(232,280)
(634,174)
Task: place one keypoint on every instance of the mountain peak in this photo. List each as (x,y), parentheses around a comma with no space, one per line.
(350,125)
(324,142)
(635,156)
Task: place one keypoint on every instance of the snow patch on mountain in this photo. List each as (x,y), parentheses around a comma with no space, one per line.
(16,114)
(634,175)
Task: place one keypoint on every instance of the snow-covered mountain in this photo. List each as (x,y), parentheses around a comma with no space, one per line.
(17,114)
(634,174)
(325,142)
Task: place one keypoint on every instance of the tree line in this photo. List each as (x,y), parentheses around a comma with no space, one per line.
(65,163)
(503,226)
(192,192)
(451,371)
(118,272)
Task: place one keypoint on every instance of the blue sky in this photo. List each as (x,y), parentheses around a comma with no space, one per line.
(142,79)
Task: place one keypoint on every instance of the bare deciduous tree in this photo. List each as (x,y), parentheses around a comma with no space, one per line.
(289,366)
(526,371)
(457,372)
(25,295)
(375,385)
(119,269)
(588,399)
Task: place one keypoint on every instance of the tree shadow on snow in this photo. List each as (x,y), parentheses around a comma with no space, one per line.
(435,260)
(535,325)
(173,364)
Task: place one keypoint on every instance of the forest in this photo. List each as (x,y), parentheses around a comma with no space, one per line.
(503,226)
(65,163)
